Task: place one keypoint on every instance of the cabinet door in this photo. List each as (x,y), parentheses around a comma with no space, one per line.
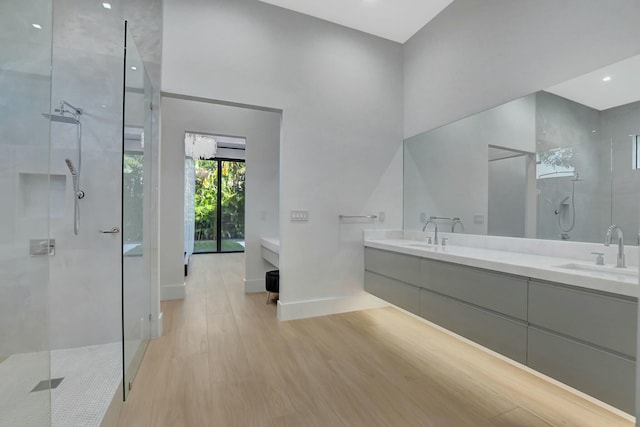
(401,267)
(604,375)
(398,293)
(503,293)
(506,336)
(602,320)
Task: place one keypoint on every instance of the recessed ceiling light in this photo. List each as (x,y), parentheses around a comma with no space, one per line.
(134,68)
(606,79)
(106,5)
(37,26)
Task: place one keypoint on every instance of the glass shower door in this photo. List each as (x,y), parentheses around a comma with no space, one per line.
(30,194)
(136,207)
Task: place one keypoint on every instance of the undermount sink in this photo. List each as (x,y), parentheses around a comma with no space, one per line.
(604,271)
(420,245)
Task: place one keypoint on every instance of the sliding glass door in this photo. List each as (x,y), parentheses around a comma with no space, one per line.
(219,206)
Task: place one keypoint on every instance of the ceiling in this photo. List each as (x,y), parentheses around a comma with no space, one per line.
(591,90)
(395,20)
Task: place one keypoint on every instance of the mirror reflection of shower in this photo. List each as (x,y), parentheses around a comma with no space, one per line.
(568,203)
(69,114)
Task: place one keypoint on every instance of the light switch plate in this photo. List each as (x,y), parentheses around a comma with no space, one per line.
(299,216)
(478,219)
(381,216)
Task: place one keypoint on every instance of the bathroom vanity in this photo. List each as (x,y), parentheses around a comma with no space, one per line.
(270,249)
(564,317)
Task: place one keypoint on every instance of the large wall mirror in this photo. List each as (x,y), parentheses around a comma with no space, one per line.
(558,164)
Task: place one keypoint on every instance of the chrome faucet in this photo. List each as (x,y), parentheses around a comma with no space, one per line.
(432,220)
(455,221)
(607,242)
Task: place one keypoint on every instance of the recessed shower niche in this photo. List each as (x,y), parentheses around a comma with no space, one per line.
(42,195)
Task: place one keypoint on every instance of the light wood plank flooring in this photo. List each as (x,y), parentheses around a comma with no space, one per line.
(225,360)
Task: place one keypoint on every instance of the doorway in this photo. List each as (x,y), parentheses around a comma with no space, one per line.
(219,205)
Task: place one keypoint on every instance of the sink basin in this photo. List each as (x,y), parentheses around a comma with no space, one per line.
(420,245)
(604,271)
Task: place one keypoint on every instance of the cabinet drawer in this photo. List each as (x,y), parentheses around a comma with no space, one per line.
(505,336)
(397,266)
(603,320)
(604,375)
(398,293)
(498,292)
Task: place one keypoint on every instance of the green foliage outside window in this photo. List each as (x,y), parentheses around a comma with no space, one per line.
(233,199)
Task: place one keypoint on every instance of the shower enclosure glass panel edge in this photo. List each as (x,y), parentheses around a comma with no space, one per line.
(137,158)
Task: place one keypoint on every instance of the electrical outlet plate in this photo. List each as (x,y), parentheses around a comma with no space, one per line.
(299,216)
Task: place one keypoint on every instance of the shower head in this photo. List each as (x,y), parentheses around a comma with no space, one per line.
(72,168)
(61,119)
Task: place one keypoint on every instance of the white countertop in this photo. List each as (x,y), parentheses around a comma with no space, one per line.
(521,264)
(271,243)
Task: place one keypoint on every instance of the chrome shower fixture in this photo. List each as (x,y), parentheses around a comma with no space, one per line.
(72,168)
(62,117)
(79,194)
(68,113)
(74,110)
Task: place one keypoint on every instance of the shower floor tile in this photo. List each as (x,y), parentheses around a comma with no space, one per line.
(92,376)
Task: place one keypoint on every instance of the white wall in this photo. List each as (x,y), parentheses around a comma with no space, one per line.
(341,95)
(478,54)
(262,132)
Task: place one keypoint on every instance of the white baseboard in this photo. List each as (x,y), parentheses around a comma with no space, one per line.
(169,292)
(324,307)
(253,286)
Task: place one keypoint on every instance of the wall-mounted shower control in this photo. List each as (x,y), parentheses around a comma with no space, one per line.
(41,247)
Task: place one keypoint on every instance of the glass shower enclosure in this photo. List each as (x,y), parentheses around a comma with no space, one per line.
(78,247)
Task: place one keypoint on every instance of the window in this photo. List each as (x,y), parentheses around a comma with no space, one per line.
(555,163)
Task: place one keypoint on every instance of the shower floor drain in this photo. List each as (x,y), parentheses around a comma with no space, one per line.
(47,384)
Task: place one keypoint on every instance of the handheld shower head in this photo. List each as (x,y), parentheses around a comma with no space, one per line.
(72,168)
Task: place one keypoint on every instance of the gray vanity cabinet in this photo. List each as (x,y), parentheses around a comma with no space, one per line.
(502,293)
(504,335)
(398,293)
(486,307)
(393,277)
(404,268)
(597,372)
(599,319)
(586,339)
(583,338)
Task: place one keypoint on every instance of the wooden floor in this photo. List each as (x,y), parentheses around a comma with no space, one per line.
(225,360)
